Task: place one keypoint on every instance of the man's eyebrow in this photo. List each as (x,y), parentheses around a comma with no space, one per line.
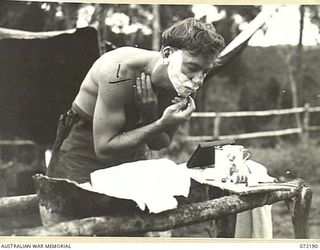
(194,64)
(210,68)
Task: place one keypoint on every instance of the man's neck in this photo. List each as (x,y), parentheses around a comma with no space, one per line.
(158,72)
(153,64)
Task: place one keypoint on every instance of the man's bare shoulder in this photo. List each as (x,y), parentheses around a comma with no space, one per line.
(124,54)
(121,64)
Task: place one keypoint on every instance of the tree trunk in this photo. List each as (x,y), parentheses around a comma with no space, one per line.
(299,52)
(97,20)
(156,27)
(294,63)
(287,59)
(70,12)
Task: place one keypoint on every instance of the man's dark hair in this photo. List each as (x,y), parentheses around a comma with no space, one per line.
(194,36)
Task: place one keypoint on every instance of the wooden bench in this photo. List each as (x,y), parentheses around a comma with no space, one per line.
(222,209)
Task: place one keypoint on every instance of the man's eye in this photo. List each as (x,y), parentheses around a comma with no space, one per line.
(192,68)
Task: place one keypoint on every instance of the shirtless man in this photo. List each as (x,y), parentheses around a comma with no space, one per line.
(134,99)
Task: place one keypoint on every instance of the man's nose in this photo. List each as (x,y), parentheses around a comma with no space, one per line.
(198,79)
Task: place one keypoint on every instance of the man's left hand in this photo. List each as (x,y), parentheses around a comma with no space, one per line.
(145,99)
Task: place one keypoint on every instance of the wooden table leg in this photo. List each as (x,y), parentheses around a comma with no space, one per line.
(300,208)
(225,225)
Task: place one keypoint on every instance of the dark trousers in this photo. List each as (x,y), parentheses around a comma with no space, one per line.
(73,155)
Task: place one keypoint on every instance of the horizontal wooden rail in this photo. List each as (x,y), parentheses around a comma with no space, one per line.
(246,135)
(251,113)
(217,117)
(314,109)
(16,142)
(313,128)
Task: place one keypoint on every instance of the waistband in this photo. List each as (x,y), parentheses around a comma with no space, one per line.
(81,118)
(77,110)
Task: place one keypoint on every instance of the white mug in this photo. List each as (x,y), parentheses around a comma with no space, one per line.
(230,159)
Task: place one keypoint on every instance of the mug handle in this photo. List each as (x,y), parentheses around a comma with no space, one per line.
(246,154)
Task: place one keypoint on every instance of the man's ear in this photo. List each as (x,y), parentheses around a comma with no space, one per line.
(166,51)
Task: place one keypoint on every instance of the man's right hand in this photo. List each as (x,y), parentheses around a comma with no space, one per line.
(179,112)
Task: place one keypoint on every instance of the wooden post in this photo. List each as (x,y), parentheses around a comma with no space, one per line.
(225,225)
(0,153)
(306,121)
(3,184)
(216,126)
(301,209)
(156,37)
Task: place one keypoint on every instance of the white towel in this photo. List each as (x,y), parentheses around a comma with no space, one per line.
(256,223)
(151,183)
(258,173)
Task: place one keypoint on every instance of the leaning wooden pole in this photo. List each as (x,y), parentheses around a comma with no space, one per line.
(182,216)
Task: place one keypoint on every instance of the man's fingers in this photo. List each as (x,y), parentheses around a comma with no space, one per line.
(179,105)
(190,106)
(191,102)
(185,105)
(150,91)
(144,91)
(177,99)
(135,90)
(138,87)
(144,86)
(151,96)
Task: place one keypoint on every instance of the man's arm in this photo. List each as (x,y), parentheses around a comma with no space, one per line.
(109,118)
(163,139)
(147,102)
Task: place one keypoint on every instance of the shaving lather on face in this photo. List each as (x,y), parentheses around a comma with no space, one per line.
(182,84)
